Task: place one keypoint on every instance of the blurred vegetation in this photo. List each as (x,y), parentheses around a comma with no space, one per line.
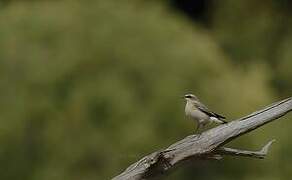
(88,87)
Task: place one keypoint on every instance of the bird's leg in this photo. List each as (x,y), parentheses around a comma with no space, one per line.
(199,127)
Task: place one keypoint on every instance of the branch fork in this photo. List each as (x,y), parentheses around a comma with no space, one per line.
(208,145)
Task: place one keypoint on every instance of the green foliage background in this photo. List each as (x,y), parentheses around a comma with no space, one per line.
(88,87)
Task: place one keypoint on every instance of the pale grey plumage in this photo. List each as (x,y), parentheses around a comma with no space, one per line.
(197,111)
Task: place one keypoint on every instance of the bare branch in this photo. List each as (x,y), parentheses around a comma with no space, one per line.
(206,145)
(237,152)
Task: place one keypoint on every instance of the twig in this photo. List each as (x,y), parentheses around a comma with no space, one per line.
(209,145)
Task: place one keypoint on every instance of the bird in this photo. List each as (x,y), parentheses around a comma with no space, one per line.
(197,111)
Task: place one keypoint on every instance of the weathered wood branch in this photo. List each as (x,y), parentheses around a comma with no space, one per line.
(208,145)
(237,152)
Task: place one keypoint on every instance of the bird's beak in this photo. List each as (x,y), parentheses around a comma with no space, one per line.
(183,97)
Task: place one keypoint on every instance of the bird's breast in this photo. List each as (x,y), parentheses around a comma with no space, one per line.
(194,113)
(188,109)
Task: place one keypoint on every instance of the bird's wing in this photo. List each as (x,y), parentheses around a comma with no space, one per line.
(204,108)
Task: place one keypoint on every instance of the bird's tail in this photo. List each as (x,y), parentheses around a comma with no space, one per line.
(217,120)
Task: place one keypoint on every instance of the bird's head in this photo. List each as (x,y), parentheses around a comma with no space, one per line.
(190,97)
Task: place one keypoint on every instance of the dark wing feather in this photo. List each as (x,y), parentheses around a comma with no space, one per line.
(203,108)
(219,116)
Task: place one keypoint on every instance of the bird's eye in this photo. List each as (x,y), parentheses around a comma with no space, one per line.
(188,96)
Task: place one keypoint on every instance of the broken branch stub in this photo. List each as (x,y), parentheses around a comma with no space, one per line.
(208,145)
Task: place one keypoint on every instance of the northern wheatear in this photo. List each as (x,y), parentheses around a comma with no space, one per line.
(199,112)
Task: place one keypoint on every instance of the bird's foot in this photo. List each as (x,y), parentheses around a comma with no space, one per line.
(198,134)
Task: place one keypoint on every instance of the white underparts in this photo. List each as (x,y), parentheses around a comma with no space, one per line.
(216,120)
